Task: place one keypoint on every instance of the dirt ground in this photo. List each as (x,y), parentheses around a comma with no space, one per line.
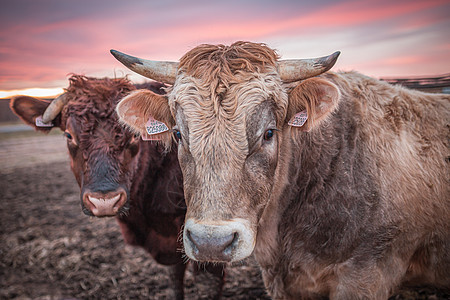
(50,250)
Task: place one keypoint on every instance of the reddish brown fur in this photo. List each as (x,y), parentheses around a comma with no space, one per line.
(104,154)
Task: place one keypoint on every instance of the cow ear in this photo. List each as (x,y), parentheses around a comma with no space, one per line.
(313,99)
(142,107)
(28,109)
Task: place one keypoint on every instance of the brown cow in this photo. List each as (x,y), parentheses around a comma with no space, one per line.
(338,184)
(118,173)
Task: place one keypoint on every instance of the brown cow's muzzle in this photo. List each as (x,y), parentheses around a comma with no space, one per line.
(105,204)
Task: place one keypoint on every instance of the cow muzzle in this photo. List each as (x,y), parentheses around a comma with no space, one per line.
(105,204)
(224,241)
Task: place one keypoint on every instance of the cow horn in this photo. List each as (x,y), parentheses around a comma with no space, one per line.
(163,71)
(291,70)
(54,108)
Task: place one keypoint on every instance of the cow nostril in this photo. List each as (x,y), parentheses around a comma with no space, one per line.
(119,201)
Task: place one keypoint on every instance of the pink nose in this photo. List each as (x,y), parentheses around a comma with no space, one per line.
(105,204)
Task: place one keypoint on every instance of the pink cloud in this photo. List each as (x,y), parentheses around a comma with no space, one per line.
(37,50)
(351,13)
(359,12)
(403,60)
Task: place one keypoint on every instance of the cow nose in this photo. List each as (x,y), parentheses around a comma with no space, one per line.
(209,246)
(223,241)
(105,204)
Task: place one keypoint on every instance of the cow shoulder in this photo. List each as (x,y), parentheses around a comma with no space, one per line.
(29,108)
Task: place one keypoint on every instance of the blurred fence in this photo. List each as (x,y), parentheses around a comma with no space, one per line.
(439,84)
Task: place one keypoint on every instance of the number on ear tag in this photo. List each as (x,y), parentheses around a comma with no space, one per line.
(299,119)
(152,130)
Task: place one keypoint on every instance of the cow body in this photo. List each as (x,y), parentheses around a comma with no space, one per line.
(118,173)
(351,204)
(364,206)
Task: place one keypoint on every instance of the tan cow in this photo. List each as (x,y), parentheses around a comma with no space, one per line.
(338,184)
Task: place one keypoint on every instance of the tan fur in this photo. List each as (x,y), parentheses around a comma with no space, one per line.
(408,131)
(318,96)
(210,61)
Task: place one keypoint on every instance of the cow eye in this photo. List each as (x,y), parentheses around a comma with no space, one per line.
(68,135)
(177,134)
(70,139)
(268,134)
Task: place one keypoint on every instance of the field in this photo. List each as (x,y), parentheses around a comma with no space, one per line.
(50,250)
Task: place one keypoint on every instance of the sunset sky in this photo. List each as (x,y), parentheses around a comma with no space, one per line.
(42,41)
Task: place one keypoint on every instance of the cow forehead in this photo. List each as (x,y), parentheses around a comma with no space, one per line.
(92,132)
(216,122)
(215,100)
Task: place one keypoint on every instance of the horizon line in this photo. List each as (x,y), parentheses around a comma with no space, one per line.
(53,92)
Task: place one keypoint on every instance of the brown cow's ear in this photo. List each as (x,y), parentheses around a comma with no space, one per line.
(140,106)
(317,96)
(28,109)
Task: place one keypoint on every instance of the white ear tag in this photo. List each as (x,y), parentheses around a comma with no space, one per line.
(152,130)
(40,123)
(299,119)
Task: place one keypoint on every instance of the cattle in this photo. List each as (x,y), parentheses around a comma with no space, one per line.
(119,174)
(337,183)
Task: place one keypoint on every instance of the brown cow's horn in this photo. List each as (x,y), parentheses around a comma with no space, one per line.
(297,69)
(163,71)
(54,108)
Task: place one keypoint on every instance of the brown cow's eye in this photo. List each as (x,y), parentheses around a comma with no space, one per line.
(71,142)
(269,134)
(68,135)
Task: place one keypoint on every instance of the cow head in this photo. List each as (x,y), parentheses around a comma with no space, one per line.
(229,108)
(102,153)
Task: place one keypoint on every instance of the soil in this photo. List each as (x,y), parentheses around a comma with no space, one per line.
(50,250)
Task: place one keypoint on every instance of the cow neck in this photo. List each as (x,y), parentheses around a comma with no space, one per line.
(158,171)
(149,162)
